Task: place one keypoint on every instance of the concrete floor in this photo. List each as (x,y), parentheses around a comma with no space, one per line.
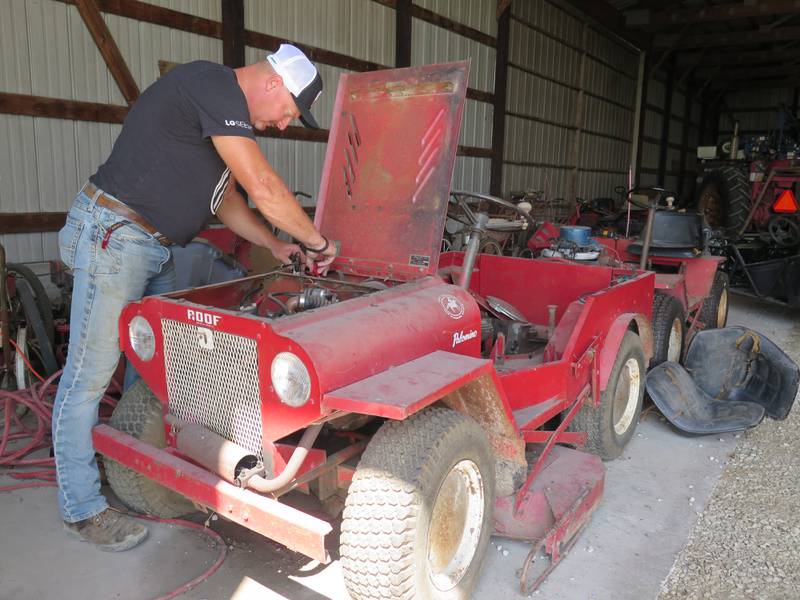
(654,494)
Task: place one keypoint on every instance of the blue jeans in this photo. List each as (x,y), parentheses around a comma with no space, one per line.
(133,264)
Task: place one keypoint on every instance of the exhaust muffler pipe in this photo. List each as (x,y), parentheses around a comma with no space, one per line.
(229,460)
(223,457)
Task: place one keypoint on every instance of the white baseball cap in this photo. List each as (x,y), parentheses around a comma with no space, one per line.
(300,77)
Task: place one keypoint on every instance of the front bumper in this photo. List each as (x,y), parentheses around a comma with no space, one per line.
(294,529)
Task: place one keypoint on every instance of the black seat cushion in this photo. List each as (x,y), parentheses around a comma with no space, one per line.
(675,234)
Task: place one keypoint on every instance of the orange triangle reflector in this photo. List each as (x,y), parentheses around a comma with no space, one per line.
(786,203)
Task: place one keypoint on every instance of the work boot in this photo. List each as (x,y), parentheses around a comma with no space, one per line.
(109,530)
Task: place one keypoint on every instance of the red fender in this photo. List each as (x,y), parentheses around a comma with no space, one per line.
(627,321)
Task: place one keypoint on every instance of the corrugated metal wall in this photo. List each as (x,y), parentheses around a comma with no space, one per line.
(358,28)
(547,46)
(756,111)
(432,44)
(44,161)
(366,30)
(47,51)
(656,102)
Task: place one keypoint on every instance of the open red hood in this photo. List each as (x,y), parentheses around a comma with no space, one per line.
(388,168)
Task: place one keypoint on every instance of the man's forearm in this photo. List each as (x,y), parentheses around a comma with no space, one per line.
(239,218)
(266,189)
(281,208)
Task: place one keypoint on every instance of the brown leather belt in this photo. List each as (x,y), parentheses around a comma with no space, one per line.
(125,211)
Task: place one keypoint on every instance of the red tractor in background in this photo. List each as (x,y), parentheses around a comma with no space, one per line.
(751,199)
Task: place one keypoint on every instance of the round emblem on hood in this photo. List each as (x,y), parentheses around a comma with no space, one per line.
(452,306)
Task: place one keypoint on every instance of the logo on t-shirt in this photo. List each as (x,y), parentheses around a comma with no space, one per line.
(233,123)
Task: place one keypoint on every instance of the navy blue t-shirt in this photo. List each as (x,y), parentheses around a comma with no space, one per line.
(163,164)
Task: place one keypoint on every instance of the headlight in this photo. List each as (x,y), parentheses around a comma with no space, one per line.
(143,341)
(290,379)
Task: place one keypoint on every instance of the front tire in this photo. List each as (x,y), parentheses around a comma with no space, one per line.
(418,516)
(139,414)
(611,425)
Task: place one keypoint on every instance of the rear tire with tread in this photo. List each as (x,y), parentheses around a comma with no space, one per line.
(599,423)
(714,313)
(40,295)
(667,316)
(728,185)
(390,505)
(139,414)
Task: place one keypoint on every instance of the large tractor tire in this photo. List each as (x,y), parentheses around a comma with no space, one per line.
(611,425)
(31,324)
(40,295)
(714,313)
(139,414)
(418,516)
(669,329)
(724,198)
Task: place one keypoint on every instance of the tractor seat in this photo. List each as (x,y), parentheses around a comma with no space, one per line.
(675,235)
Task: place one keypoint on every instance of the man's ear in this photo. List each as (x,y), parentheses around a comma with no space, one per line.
(274,81)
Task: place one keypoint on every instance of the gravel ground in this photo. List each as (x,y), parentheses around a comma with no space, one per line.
(746,543)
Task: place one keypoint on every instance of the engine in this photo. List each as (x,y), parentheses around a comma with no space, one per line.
(574,242)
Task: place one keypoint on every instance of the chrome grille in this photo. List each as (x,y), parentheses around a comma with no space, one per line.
(212,380)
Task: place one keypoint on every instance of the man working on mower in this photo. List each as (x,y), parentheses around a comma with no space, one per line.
(184,144)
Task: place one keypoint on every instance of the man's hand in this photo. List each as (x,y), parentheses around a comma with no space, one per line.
(284,250)
(319,262)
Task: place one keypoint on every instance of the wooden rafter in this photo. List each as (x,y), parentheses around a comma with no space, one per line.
(233,33)
(55,108)
(736,74)
(158,15)
(447,23)
(75,110)
(403,33)
(751,57)
(760,84)
(502,6)
(608,16)
(102,37)
(712,14)
(165,17)
(500,95)
(270,43)
(733,38)
(27,222)
(666,120)
(689,69)
(653,4)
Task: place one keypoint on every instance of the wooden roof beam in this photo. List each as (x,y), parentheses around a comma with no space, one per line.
(756,84)
(649,19)
(757,73)
(102,37)
(733,38)
(751,72)
(752,57)
(608,16)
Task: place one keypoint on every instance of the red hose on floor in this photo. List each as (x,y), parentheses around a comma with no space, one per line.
(223,551)
(39,400)
(29,438)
